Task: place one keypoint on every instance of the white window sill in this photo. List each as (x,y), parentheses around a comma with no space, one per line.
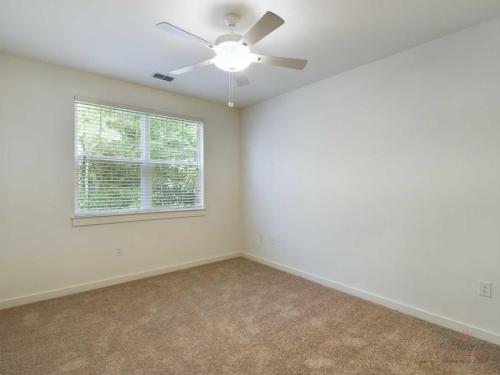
(79,221)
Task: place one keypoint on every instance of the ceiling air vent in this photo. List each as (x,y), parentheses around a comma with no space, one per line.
(163,77)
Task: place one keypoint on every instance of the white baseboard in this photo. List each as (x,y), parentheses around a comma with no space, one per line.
(416,312)
(49,294)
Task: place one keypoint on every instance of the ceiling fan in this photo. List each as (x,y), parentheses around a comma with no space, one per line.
(233,51)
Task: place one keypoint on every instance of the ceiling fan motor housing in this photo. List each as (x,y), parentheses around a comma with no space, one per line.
(228,38)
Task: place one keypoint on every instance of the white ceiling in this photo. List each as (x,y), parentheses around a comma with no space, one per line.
(118,38)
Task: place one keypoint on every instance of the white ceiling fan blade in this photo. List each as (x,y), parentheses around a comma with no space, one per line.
(285,62)
(165,26)
(191,67)
(241,79)
(267,24)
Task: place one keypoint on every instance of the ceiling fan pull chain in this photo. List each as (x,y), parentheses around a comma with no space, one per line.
(230,102)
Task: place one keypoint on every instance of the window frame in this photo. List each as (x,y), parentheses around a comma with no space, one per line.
(120,215)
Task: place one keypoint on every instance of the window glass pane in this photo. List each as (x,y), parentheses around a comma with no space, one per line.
(108,132)
(172,139)
(108,185)
(88,124)
(175,186)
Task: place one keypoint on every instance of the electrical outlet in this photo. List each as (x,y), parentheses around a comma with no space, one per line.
(273,241)
(118,252)
(261,239)
(485,289)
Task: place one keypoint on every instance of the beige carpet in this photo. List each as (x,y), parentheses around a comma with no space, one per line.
(232,317)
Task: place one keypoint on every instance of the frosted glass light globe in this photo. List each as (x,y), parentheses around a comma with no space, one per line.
(232,56)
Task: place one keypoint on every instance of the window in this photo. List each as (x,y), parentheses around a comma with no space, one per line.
(133,162)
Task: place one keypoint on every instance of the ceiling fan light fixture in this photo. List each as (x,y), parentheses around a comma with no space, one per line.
(232,56)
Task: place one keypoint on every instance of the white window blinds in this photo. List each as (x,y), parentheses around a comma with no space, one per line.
(129,161)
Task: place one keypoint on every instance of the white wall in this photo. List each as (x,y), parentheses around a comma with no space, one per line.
(39,248)
(387,178)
